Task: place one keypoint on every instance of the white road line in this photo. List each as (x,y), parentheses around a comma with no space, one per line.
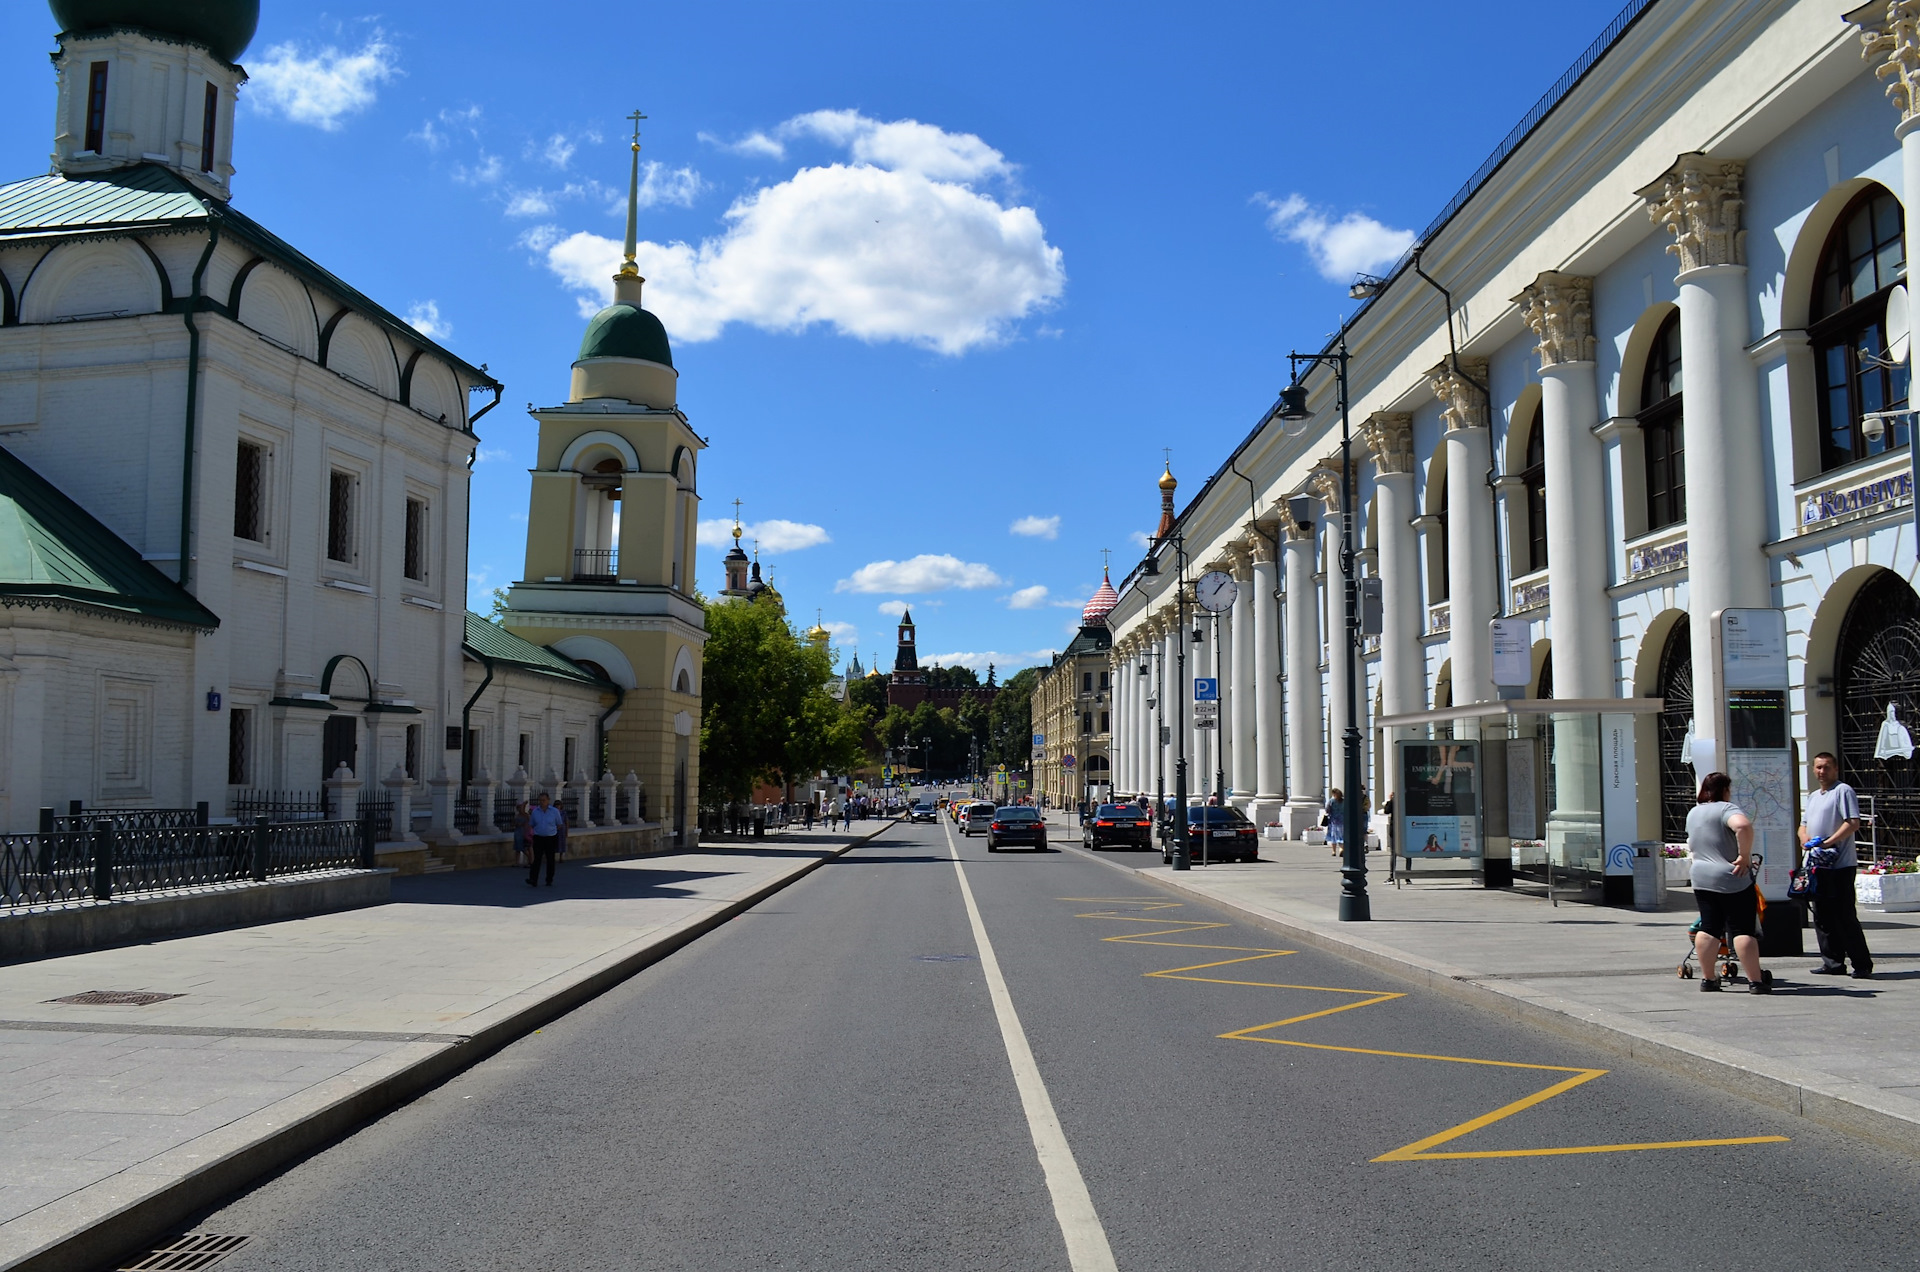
(1087,1249)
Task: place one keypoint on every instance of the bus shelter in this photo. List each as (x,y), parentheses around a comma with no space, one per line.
(1542,789)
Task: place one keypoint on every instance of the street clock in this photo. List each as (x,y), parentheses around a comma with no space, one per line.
(1216,591)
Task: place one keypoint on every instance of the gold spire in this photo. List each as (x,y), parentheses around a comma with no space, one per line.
(626,284)
(736,523)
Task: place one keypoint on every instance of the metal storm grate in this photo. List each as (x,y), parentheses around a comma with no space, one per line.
(115,998)
(183,1254)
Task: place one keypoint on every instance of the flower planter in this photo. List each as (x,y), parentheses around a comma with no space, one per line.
(1894,893)
(1679,872)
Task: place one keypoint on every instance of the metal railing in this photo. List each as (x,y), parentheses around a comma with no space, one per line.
(77,817)
(595,563)
(109,860)
(279,806)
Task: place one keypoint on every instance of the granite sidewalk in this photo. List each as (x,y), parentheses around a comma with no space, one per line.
(1842,1052)
(118,1121)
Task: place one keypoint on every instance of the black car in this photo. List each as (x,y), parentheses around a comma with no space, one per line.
(1015,824)
(922,812)
(1216,834)
(1126,824)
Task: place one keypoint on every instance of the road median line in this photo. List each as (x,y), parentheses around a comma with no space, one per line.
(1851,1108)
(92,1227)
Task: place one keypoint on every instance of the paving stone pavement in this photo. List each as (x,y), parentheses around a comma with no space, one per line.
(1859,1039)
(94,1096)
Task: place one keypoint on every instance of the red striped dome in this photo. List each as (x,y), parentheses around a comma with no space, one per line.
(1095,613)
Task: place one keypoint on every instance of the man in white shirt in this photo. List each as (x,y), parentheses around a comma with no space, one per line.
(1831,819)
(545,824)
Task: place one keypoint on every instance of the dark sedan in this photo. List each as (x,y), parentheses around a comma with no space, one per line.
(1128,825)
(1016,824)
(1217,834)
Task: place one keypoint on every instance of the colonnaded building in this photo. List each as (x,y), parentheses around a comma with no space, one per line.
(234,492)
(1633,376)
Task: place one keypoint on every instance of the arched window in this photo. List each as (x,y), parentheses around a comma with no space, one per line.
(1534,478)
(1864,256)
(1442,573)
(1662,429)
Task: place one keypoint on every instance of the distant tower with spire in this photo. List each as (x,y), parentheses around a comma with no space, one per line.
(736,560)
(907,687)
(1167,486)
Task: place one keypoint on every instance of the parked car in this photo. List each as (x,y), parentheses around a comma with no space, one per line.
(1014,824)
(974,818)
(1126,824)
(923,812)
(1216,834)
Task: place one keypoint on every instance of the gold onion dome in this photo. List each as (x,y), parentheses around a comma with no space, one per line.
(1166,479)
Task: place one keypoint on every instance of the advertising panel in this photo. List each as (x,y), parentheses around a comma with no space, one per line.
(1438,804)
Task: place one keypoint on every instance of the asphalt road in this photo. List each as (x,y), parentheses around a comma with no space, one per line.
(823,1083)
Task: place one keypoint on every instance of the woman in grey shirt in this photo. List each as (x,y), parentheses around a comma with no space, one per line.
(1720,837)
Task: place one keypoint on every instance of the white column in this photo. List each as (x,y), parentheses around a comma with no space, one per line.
(1326,485)
(1168,683)
(1270,778)
(1306,716)
(1699,201)
(1246,686)
(1470,560)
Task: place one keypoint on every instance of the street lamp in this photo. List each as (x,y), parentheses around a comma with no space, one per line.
(1292,410)
(1182,856)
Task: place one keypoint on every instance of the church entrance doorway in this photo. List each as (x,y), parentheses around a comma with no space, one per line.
(1877,699)
(1677,787)
(339,744)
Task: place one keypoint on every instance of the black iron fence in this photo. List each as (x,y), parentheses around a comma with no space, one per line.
(108,859)
(279,806)
(78,817)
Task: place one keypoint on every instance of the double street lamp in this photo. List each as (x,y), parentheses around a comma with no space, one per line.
(1293,412)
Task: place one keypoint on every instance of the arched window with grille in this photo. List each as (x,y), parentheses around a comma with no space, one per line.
(1533,478)
(1865,255)
(1663,429)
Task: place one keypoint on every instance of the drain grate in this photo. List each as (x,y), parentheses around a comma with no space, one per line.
(186,1254)
(114,998)
(942,958)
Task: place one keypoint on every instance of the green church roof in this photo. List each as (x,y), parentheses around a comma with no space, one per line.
(54,553)
(494,643)
(626,331)
(224,26)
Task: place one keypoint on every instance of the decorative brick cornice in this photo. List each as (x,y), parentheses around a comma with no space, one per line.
(1890,39)
(1559,309)
(1463,404)
(1698,200)
(1390,438)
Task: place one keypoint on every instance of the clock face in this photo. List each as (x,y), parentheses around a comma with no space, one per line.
(1216,591)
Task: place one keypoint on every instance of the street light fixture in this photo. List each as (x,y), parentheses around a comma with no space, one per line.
(1354,904)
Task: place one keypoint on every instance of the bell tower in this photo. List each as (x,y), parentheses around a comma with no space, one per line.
(611,524)
(150,82)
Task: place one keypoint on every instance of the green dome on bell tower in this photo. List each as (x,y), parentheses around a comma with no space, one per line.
(225,27)
(623,330)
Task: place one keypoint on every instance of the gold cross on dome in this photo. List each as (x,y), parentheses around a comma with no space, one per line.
(636,117)
(1106,559)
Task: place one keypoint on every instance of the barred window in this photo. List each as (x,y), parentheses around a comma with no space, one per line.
(239,747)
(340,517)
(414,563)
(250,492)
(1663,429)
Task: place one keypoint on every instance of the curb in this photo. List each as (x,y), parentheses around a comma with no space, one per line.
(1852,1108)
(123,1217)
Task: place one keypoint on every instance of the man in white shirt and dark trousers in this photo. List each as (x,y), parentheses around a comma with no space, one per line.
(1832,820)
(545,824)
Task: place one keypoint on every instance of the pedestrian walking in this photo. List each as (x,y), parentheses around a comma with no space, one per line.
(1720,839)
(809,814)
(1335,820)
(1829,827)
(546,827)
(520,844)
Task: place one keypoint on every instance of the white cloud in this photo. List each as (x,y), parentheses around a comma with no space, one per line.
(424,317)
(1140,539)
(1036,527)
(843,632)
(489,170)
(1354,244)
(924,573)
(1004,664)
(773,535)
(894,608)
(491,455)
(661,184)
(1028,597)
(893,246)
(755,145)
(323,87)
(435,134)
(558,151)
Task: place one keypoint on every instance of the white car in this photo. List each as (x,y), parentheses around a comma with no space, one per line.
(975,818)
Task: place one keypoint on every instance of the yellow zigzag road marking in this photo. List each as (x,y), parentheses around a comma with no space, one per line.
(1419,1150)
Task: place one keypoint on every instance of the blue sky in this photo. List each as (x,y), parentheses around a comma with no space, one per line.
(1095,232)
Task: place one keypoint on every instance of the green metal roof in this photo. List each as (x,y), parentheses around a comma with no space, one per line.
(152,198)
(626,331)
(225,27)
(494,643)
(53,552)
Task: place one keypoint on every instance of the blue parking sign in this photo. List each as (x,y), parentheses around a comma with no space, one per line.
(1206,690)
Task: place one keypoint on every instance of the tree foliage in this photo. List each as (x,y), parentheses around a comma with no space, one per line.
(1010,722)
(767,713)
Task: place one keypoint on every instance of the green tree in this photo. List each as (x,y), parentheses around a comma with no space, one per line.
(869,692)
(1010,723)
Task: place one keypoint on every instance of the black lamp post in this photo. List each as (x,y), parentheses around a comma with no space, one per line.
(1182,856)
(1354,905)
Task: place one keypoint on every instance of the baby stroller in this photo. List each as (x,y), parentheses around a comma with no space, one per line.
(1728,965)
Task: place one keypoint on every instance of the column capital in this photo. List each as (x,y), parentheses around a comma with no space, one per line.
(1890,39)
(1389,436)
(1324,485)
(1463,404)
(1259,545)
(1559,309)
(1698,201)
(1297,533)
(1239,554)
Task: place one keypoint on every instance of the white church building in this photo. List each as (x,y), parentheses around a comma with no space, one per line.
(1634,375)
(233,488)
